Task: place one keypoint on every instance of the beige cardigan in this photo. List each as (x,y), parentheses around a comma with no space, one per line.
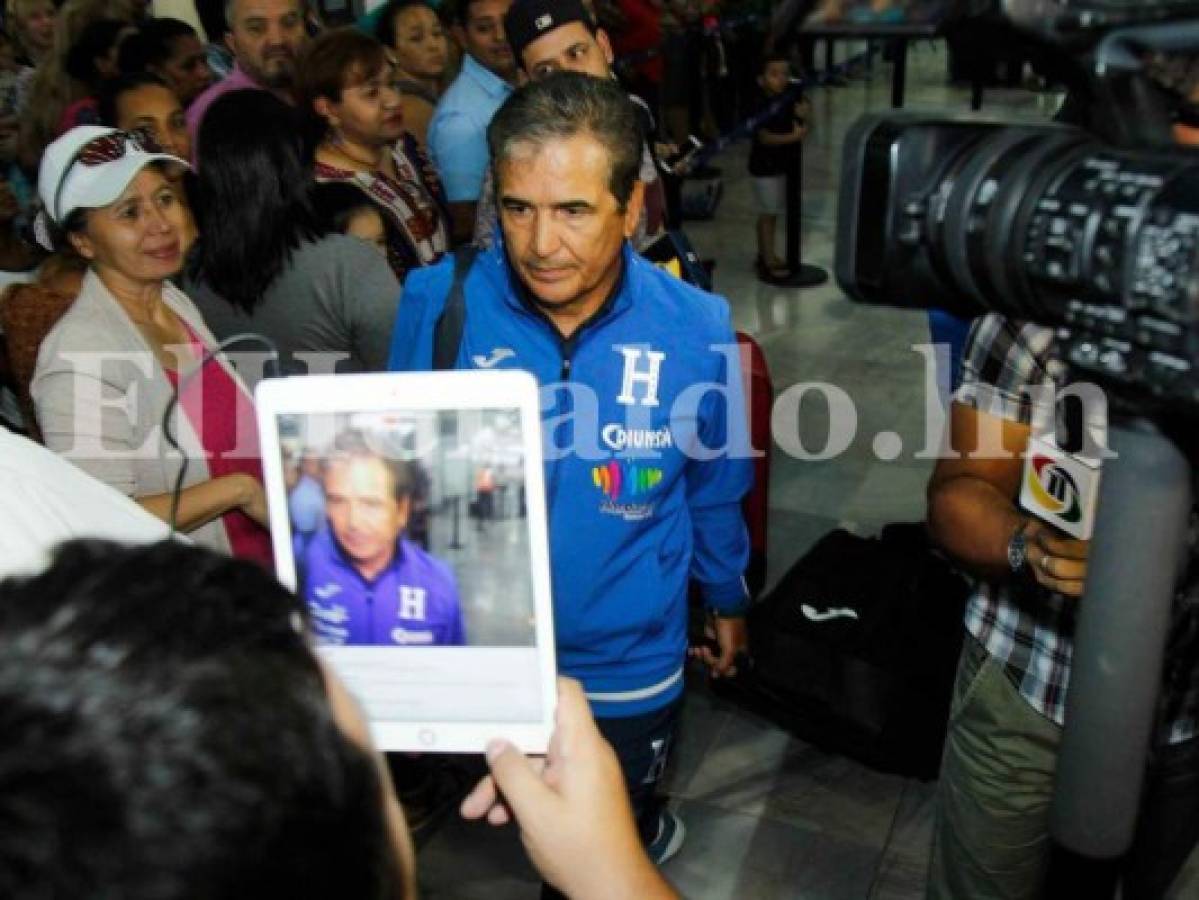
(100,393)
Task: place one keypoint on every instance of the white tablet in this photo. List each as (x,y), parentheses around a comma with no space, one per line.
(408,510)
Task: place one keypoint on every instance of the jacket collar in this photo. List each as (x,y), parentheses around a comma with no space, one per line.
(491,83)
(337,557)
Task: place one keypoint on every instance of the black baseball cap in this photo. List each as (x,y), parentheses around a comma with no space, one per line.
(527,20)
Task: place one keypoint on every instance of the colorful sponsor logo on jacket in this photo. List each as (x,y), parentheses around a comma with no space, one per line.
(618,480)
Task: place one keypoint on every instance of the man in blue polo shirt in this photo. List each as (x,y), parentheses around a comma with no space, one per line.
(458,129)
(364,583)
(647,452)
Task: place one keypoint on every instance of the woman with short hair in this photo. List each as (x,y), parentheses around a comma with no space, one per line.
(345,86)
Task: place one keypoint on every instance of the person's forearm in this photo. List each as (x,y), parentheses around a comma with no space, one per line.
(200,503)
(972,521)
(773,139)
(642,881)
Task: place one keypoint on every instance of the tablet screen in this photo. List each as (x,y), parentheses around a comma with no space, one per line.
(410,541)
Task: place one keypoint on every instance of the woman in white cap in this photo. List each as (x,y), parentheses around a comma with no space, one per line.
(108,370)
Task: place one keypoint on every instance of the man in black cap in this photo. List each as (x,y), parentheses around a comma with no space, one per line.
(561,35)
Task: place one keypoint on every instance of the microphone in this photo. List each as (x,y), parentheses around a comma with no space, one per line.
(1060,488)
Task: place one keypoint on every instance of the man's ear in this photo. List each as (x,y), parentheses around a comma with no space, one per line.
(231,43)
(605,45)
(459,34)
(632,210)
(404,509)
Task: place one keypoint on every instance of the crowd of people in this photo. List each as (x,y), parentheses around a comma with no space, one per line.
(167,186)
(161,210)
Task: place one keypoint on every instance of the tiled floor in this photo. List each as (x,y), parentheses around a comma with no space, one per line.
(769,816)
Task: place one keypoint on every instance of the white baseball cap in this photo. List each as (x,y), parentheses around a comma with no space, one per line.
(90,166)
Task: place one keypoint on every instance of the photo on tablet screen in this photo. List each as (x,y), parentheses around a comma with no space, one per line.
(410,529)
(408,512)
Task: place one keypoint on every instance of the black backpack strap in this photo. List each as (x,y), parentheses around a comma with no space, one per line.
(447,333)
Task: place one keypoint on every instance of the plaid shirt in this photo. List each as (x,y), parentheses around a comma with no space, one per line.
(1022,625)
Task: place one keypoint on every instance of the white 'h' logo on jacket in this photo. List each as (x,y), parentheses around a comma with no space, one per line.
(634,374)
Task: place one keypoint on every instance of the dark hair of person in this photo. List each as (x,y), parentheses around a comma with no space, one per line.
(773,57)
(153,44)
(460,11)
(565,104)
(252,202)
(335,60)
(337,202)
(212,19)
(354,444)
(167,735)
(385,27)
(111,92)
(94,41)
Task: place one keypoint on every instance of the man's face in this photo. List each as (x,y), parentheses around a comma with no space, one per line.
(266,37)
(483,37)
(363,511)
(570,47)
(563,228)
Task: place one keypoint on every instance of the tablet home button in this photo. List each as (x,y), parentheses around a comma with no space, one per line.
(427,737)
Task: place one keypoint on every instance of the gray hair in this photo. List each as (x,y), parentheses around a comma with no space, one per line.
(563,105)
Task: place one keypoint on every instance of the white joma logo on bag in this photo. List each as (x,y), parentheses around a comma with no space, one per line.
(817,615)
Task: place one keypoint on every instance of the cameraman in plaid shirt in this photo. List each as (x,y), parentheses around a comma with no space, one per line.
(992,832)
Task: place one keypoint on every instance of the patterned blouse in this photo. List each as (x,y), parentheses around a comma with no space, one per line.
(412,203)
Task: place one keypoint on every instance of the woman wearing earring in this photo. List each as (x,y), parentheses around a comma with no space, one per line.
(412,31)
(346,87)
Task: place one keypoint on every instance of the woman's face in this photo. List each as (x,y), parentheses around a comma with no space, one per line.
(420,42)
(369,112)
(139,235)
(158,111)
(36,27)
(187,70)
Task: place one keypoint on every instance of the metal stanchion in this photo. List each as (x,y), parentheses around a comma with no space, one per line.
(801,274)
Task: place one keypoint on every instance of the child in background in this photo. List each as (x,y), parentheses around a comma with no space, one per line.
(774,141)
(345,209)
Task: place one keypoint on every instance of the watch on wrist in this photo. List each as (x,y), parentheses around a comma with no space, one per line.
(1017,549)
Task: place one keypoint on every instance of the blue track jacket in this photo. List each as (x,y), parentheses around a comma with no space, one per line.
(413,602)
(632,517)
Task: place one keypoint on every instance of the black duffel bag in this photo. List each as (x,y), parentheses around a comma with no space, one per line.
(856,648)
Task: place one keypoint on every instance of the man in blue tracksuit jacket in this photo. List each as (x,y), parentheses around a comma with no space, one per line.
(365,583)
(645,433)
(412,602)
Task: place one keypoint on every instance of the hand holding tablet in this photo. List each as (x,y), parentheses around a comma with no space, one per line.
(432,605)
(572,808)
